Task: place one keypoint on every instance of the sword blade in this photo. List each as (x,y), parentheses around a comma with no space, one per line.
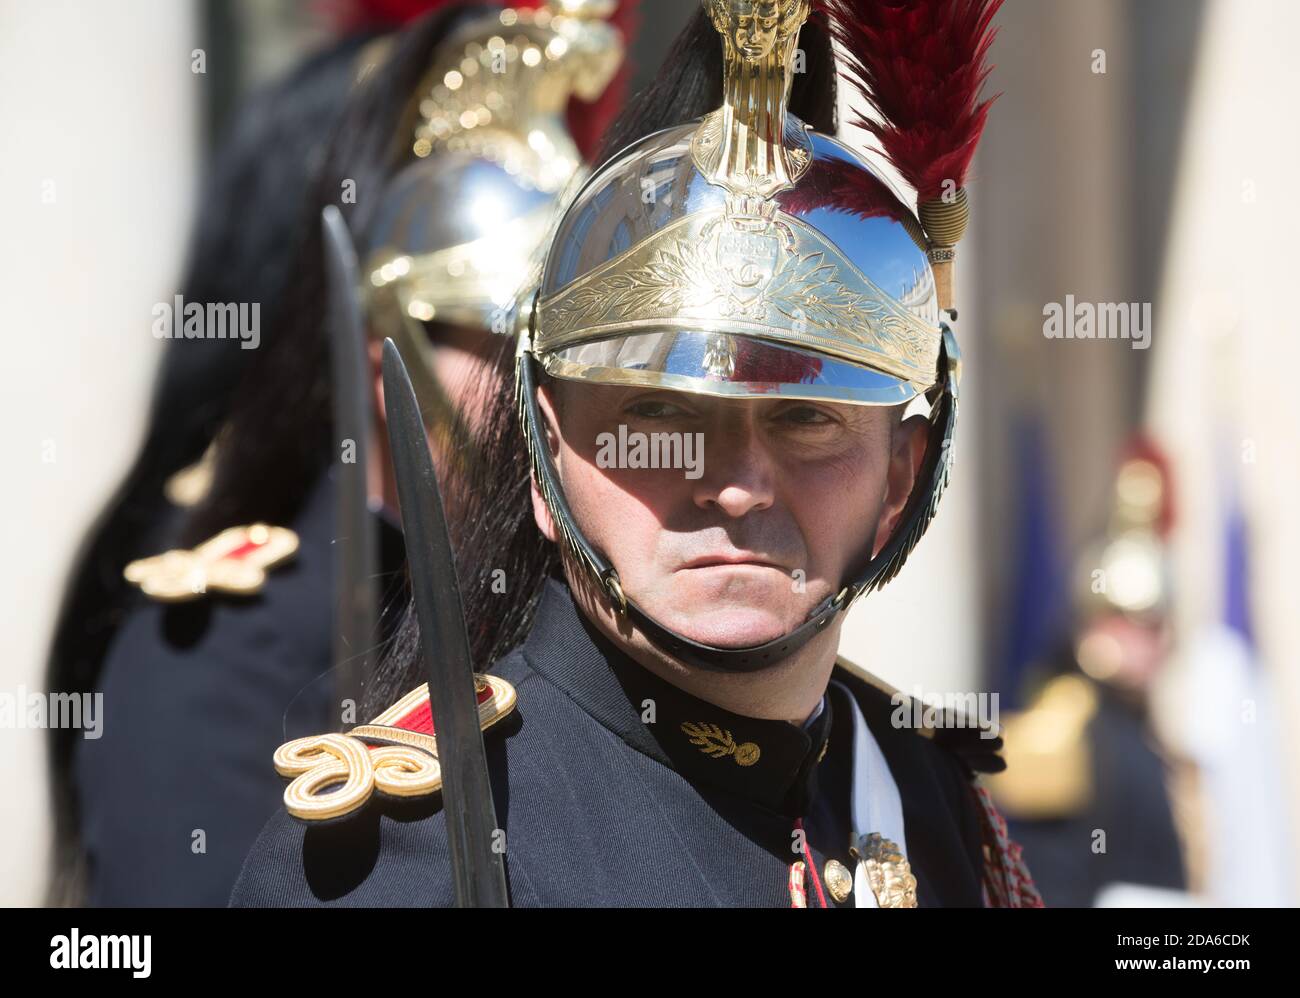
(477,868)
(355,556)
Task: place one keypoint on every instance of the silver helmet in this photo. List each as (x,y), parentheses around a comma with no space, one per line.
(746,255)
(458,229)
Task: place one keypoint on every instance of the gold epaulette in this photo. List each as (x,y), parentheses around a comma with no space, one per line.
(234,562)
(977,744)
(395,755)
(1050,776)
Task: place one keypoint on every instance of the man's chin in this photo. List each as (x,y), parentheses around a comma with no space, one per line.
(728,627)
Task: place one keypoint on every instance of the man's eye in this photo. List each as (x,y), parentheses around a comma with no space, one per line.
(804,415)
(652,409)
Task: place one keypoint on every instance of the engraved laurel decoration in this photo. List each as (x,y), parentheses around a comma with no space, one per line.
(336,774)
(670,281)
(809,290)
(888,873)
(717,743)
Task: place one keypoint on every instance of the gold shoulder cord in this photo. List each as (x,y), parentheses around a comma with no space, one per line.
(333,775)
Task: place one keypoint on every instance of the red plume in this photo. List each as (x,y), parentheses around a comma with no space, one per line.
(589,122)
(920,65)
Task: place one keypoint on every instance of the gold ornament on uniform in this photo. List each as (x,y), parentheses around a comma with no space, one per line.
(234,562)
(1049,776)
(717,743)
(838,881)
(335,774)
(889,875)
(353,771)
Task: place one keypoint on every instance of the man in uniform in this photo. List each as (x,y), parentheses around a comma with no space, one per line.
(1096,795)
(259,187)
(732,317)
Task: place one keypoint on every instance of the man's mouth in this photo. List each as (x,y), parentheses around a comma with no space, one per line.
(732,560)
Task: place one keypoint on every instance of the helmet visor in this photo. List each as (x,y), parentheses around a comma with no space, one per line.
(725,364)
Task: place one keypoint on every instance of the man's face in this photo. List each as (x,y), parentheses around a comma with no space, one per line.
(790,497)
(463,363)
(1124,651)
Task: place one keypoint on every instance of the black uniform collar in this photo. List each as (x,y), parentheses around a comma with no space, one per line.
(770,763)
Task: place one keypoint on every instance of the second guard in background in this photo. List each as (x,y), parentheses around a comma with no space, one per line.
(1104,809)
(235,649)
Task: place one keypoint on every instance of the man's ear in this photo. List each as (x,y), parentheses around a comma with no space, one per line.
(550,429)
(905,458)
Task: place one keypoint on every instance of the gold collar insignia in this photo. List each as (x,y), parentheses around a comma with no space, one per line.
(718,743)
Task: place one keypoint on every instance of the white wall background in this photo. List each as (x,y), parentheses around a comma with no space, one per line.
(98,125)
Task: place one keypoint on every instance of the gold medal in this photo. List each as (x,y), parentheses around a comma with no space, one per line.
(888,873)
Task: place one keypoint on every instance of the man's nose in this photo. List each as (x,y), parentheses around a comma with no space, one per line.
(739,474)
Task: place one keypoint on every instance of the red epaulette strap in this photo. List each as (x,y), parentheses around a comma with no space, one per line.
(1007,881)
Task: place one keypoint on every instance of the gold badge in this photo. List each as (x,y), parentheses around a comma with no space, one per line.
(888,873)
(716,743)
(235,562)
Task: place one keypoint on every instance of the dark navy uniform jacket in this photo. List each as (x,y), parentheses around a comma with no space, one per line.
(600,808)
(196,698)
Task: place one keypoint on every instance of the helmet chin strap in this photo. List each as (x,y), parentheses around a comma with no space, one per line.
(918,512)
